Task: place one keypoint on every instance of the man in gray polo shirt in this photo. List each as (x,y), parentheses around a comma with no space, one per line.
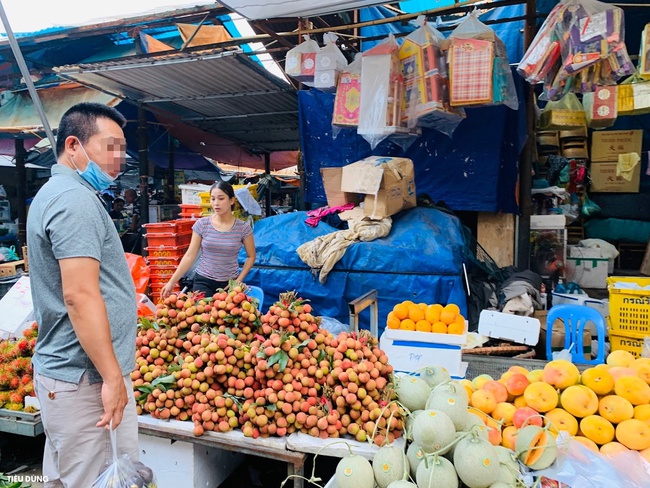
(84,302)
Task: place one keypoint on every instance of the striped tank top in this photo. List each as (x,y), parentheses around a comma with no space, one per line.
(219,250)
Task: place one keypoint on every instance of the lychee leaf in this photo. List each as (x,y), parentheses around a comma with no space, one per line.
(284,359)
(230,334)
(164,380)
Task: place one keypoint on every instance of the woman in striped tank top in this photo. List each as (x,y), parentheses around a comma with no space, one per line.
(220,237)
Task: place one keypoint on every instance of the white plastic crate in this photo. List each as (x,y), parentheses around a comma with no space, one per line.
(190,193)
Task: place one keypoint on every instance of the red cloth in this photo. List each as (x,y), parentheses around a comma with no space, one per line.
(314,216)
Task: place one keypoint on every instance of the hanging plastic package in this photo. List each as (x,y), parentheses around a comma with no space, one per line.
(566,113)
(330,61)
(479,72)
(580,46)
(633,97)
(426,83)
(348,97)
(300,62)
(380,110)
(601,107)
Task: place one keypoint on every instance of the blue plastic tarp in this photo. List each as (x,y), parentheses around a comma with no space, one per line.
(420,260)
(476,170)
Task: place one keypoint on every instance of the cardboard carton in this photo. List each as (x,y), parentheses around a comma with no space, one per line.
(387,183)
(332,185)
(604,179)
(607,145)
(601,107)
(326,80)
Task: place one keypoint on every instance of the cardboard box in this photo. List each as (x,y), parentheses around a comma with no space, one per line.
(420,59)
(634,98)
(604,179)
(607,145)
(332,185)
(326,79)
(562,119)
(601,107)
(388,183)
(347,100)
(471,65)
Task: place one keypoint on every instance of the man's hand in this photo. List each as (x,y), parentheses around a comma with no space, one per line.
(114,398)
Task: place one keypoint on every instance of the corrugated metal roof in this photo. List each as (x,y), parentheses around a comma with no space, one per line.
(223,92)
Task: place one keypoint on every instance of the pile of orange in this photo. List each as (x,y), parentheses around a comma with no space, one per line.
(426,318)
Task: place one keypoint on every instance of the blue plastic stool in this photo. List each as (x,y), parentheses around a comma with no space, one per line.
(256,292)
(575,319)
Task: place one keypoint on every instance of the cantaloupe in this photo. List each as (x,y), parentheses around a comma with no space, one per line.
(501,484)
(354,471)
(508,466)
(434,375)
(436,472)
(389,464)
(415,455)
(471,421)
(450,398)
(433,431)
(412,392)
(476,462)
(402,484)
(536,447)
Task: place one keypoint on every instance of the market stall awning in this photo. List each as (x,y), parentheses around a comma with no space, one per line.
(222,92)
(18,114)
(254,9)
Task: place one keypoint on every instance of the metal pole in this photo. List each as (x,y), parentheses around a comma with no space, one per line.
(21,196)
(171,180)
(267,171)
(143,158)
(24,70)
(526,159)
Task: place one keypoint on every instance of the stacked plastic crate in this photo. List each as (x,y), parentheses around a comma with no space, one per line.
(190,196)
(167,242)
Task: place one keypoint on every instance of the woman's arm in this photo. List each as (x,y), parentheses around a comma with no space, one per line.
(249,245)
(185,265)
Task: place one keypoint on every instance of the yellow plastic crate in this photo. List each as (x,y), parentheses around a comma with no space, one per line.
(629,310)
(630,344)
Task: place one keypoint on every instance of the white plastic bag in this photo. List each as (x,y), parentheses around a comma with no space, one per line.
(330,61)
(246,200)
(300,62)
(124,473)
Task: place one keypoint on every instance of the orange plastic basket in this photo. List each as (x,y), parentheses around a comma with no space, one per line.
(163,260)
(166,251)
(168,239)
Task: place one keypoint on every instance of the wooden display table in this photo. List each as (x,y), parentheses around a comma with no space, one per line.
(233,441)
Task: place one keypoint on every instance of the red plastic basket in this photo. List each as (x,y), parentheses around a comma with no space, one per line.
(166,251)
(161,271)
(169,227)
(191,210)
(163,260)
(168,239)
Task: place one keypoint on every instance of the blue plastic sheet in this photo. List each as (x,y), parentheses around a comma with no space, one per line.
(420,260)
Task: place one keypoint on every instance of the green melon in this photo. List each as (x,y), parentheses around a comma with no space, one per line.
(402,484)
(389,464)
(354,472)
(412,392)
(501,484)
(436,472)
(414,454)
(450,398)
(476,462)
(434,375)
(536,447)
(472,420)
(408,427)
(434,431)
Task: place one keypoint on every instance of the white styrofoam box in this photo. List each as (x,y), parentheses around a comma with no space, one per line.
(547,221)
(583,252)
(587,272)
(516,328)
(16,309)
(410,356)
(179,463)
(190,193)
(417,336)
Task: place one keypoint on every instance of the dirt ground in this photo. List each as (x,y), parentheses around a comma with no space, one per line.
(22,456)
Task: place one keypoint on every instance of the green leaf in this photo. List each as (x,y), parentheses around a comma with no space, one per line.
(261,354)
(173,367)
(164,380)
(303,344)
(141,399)
(272,407)
(230,334)
(275,358)
(283,361)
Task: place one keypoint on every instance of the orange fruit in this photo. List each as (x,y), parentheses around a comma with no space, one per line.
(452,307)
(401,311)
(460,320)
(456,328)
(407,324)
(415,313)
(423,326)
(423,305)
(447,316)
(392,322)
(439,328)
(432,313)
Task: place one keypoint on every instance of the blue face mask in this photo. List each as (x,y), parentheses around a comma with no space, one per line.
(93,174)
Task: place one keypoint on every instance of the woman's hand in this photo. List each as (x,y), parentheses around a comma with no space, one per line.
(167,289)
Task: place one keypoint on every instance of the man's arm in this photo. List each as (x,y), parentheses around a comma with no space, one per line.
(87,311)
